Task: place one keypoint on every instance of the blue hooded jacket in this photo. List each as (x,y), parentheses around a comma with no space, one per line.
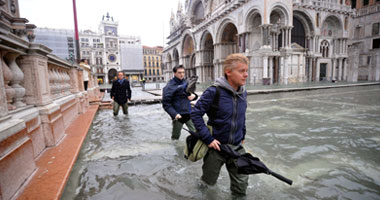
(174,98)
(228,126)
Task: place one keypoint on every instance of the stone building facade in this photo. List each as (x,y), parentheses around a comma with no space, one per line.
(286,41)
(365,46)
(40,95)
(153,63)
(103,49)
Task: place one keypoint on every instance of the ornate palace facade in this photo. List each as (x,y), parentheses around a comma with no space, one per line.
(287,41)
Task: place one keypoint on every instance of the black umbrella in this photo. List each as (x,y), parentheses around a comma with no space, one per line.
(248,164)
(191,84)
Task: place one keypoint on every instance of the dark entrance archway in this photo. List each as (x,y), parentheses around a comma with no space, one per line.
(298,32)
(112,73)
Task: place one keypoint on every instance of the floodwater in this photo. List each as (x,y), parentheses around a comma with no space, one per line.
(326,141)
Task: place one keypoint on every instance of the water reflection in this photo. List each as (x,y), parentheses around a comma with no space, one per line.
(327,141)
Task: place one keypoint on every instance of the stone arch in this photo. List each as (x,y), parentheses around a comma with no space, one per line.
(169,63)
(226,43)
(213,4)
(197,12)
(188,51)
(207,57)
(206,35)
(222,26)
(282,11)
(332,26)
(306,21)
(253,25)
(188,45)
(303,28)
(175,61)
(278,18)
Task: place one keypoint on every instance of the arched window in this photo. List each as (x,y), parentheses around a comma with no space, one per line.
(325,48)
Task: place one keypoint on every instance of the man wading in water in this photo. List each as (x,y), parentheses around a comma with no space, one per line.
(120,94)
(176,102)
(228,124)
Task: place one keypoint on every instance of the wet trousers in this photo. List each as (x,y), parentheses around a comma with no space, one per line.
(116,108)
(177,127)
(213,162)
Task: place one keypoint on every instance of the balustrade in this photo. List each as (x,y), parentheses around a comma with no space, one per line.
(59,81)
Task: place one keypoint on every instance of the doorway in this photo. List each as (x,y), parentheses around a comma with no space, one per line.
(322,71)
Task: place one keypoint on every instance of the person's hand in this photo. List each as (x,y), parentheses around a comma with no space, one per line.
(242,142)
(191,97)
(178,116)
(214,144)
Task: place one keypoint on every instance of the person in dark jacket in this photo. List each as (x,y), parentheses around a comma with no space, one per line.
(176,102)
(228,124)
(120,94)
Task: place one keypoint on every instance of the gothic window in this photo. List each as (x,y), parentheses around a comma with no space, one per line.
(365,2)
(325,48)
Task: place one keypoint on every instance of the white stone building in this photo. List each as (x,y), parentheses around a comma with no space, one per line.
(365,48)
(103,49)
(287,41)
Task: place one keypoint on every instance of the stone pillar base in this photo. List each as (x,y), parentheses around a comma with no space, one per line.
(16,157)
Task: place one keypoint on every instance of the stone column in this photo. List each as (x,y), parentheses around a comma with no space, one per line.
(7,77)
(376,59)
(36,79)
(340,69)
(271,70)
(310,64)
(317,70)
(286,70)
(332,72)
(265,67)
(74,82)
(80,80)
(18,77)
(290,36)
(283,37)
(3,97)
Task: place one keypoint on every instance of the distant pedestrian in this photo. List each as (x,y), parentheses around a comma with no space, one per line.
(176,102)
(120,93)
(227,122)
(86,72)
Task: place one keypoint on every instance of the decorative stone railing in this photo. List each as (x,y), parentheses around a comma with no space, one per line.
(13,79)
(332,5)
(59,81)
(368,10)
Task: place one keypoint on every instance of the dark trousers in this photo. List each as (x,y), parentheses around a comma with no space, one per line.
(85,85)
(116,108)
(213,162)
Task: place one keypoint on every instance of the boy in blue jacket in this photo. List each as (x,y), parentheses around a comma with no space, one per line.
(228,122)
(176,102)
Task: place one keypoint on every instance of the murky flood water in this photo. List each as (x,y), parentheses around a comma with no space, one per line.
(327,141)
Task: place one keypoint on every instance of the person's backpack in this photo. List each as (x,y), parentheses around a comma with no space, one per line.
(196,149)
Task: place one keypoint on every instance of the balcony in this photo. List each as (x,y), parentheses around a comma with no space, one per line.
(368,10)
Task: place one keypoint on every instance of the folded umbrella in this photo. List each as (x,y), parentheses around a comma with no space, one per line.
(191,84)
(248,164)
